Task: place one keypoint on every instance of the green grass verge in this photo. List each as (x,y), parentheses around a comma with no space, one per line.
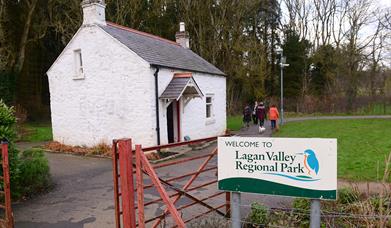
(375,109)
(363,145)
(234,123)
(36,132)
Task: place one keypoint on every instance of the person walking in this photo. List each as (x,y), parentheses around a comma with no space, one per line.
(247,115)
(261,115)
(273,116)
(254,114)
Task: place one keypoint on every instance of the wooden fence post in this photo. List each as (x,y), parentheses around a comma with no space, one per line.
(7,189)
(228,204)
(127,185)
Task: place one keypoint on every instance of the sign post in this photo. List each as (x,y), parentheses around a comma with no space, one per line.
(315,214)
(296,167)
(235,205)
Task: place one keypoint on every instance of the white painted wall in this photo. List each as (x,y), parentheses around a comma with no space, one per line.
(94,13)
(193,115)
(116,98)
(113,101)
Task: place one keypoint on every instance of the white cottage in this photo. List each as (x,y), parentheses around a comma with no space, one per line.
(114,82)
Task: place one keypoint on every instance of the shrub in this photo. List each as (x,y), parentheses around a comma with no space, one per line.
(8,132)
(19,186)
(211,221)
(34,169)
(302,207)
(347,196)
(258,214)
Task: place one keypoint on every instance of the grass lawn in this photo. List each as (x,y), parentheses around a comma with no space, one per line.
(363,145)
(376,109)
(36,132)
(234,123)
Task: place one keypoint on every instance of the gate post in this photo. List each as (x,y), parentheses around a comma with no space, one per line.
(116,187)
(127,185)
(315,213)
(6,181)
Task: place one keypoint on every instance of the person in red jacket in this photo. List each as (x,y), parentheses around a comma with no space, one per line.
(273,116)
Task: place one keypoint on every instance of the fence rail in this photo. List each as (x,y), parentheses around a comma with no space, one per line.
(130,170)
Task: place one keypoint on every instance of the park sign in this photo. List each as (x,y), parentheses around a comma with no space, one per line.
(298,167)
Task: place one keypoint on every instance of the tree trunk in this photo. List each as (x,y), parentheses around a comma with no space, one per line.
(17,68)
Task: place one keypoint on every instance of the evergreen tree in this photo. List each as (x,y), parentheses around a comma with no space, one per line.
(296,51)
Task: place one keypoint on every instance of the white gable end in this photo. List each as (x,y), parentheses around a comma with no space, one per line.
(101,105)
(76,42)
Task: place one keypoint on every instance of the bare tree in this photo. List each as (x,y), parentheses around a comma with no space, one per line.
(358,15)
(299,12)
(338,22)
(29,7)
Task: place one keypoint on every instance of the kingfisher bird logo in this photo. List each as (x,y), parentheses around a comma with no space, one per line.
(311,163)
(307,168)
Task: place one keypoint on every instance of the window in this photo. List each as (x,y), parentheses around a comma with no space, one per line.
(209,106)
(79,73)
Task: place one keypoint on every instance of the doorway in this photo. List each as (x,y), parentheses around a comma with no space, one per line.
(173,122)
(170,123)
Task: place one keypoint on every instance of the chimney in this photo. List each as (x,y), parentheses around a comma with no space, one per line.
(182,37)
(94,12)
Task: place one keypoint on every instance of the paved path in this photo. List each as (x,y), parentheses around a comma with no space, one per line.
(82,196)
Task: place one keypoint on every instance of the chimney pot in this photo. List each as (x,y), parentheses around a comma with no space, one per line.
(182,37)
(182,27)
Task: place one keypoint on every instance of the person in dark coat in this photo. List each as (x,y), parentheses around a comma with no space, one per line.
(261,114)
(254,114)
(247,115)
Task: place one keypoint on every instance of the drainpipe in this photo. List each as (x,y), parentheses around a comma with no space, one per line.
(157,105)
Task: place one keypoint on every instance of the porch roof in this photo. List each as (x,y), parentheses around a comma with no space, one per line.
(182,84)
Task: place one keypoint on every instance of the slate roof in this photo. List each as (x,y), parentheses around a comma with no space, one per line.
(178,86)
(159,51)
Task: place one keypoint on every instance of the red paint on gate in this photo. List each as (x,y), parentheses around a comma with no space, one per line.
(140,187)
(8,221)
(116,189)
(127,185)
(142,165)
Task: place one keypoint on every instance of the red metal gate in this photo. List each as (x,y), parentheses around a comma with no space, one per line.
(129,168)
(5,192)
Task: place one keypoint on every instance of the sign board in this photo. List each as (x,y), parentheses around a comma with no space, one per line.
(299,167)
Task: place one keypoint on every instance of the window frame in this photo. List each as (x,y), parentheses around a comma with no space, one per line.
(79,67)
(210,105)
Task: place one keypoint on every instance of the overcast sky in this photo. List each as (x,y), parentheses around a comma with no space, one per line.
(386,3)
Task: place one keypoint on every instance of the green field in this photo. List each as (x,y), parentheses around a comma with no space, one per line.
(363,145)
(234,123)
(36,132)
